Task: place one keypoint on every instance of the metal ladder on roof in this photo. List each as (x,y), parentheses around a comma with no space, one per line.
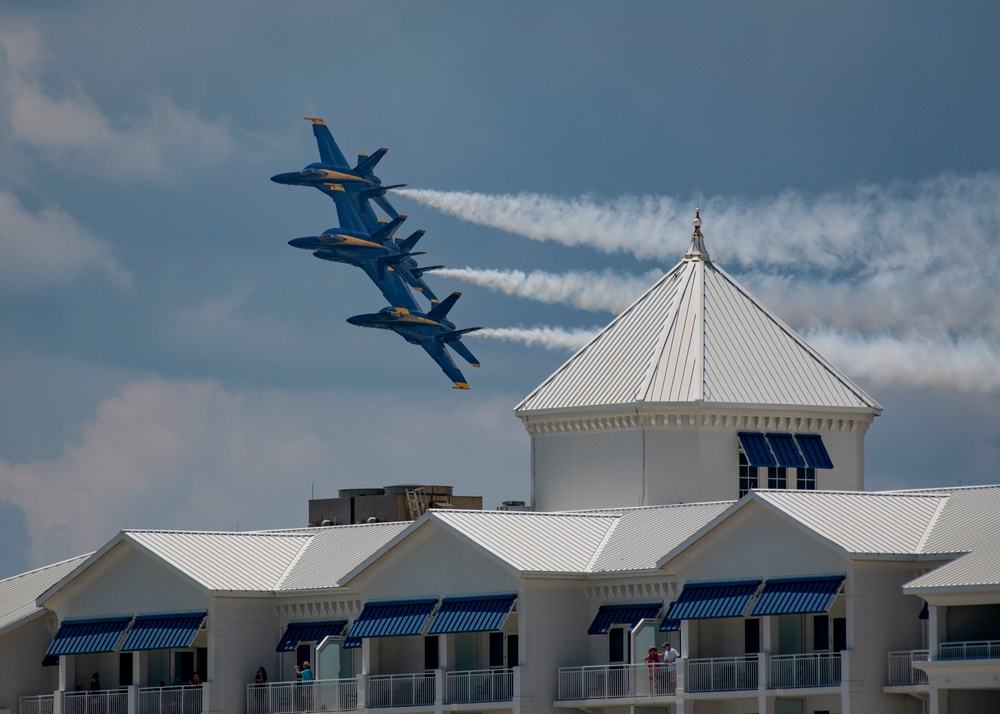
(417,502)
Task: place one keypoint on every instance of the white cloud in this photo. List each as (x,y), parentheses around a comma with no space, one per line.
(73,128)
(192,454)
(47,247)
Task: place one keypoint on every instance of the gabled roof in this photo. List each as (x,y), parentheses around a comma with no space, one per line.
(334,551)
(18,593)
(643,535)
(862,523)
(697,336)
(258,562)
(534,542)
(227,562)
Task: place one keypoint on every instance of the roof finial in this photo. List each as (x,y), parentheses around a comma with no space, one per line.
(697,249)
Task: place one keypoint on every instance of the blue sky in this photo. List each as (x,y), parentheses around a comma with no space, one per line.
(167,361)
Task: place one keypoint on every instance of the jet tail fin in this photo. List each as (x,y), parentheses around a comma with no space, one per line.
(384,234)
(329,152)
(442,309)
(407,245)
(366,163)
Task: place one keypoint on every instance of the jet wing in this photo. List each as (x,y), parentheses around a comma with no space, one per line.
(437,351)
(390,283)
(348,216)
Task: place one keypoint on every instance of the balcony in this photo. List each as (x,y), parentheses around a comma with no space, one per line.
(335,695)
(804,670)
(39,704)
(170,700)
(616,681)
(148,700)
(902,673)
(381,691)
(401,690)
(105,701)
(485,685)
(722,674)
(985,649)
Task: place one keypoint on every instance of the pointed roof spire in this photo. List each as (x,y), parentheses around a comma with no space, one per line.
(697,249)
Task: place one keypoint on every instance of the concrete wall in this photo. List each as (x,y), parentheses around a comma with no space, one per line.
(21,652)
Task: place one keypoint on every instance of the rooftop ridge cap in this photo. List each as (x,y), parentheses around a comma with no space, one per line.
(276,585)
(929,529)
(596,555)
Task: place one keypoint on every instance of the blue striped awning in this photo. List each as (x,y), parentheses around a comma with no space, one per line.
(485,613)
(669,624)
(609,615)
(785,451)
(702,601)
(755,447)
(163,632)
(797,596)
(390,619)
(88,636)
(814,450)
(297,632)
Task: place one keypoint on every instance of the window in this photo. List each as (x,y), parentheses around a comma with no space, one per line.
(751,636)
(431,652)
(776,477)
(839,634)
(617,644)
(748,476)
(805,479)
(821,633)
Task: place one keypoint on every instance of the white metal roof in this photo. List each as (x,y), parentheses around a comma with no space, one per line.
(18,593)
(862,522)
(231,562)
(644,535)
(534,542)
(697,336)
(334,551)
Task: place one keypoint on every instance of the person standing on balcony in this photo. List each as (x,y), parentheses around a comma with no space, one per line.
(652,659)
(670,656)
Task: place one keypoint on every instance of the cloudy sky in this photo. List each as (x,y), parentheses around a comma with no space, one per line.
(167,361)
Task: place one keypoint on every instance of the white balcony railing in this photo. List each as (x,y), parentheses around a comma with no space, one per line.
(105,701)
(617,681)
(39,704)
(722,674)
(484,685)
(986,649)
(400,690)
(804,670)
(170,700)
(902,673)
(322,695)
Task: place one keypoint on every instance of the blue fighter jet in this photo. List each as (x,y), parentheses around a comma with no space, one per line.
(377,254)
(334,176)
(429,330)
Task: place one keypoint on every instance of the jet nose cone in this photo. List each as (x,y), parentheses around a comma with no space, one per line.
(285,178)
(302,242)
(357,320)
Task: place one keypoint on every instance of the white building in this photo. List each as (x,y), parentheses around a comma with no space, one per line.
(697,476)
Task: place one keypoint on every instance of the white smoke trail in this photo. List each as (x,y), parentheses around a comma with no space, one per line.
(553,338)
(607,291)
(908,227)
(967,365)
(894,283)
